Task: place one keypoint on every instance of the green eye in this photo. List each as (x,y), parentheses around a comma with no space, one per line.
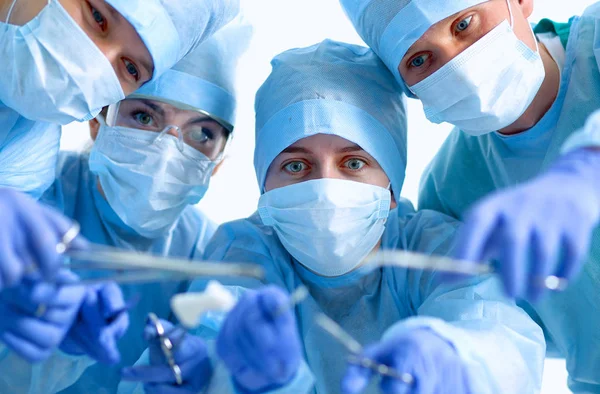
(143,118)
(355,164)
(295,167)
(464,24)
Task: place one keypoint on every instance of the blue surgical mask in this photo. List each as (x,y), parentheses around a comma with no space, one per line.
(52,71)
(148,182)
(488,86)
(328,225)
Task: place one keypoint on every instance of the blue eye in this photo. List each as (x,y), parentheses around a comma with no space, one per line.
(144,118)
(295,167)
(418,61)
(98,18)
(131,69)
(464,24)
(355,164)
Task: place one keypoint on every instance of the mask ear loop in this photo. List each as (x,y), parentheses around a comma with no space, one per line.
(10,10)
(512,26)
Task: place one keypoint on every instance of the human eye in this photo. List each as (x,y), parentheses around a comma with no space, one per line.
(201,135)
(98,17)
(143,118)
(419,61)
(131,69)
(463,24)
(295,167)
(355,164)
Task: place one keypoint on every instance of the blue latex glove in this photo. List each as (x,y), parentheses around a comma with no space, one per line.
(190,355)
(101,322)
(29,233)
(34,332)
(260,347)
(540,228)
(430,359)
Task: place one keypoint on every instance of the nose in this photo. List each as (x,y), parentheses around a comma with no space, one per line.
(172,130)
(328,171)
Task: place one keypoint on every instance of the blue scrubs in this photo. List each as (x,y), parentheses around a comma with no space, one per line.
(28,152)
(501,346)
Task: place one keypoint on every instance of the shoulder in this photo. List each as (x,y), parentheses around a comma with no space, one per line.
(71,172)
(428,232)
(243,235)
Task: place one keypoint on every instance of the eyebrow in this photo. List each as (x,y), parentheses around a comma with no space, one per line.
(155,107)
(296,149)
(347,149)
(351,148)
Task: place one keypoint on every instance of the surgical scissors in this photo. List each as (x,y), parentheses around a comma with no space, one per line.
(167,347)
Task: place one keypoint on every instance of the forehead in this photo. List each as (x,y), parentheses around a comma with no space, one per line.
(322,142)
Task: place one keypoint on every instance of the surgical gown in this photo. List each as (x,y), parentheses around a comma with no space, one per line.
(28,153)
(468,168)
(75,193)
(501,346)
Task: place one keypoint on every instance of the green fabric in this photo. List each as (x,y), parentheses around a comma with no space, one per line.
(562,30)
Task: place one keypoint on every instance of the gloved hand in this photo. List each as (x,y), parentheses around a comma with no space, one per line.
(259,344)
(36,316)
(190,355)
(29,233)
(431,361)
(540,228)
(101,322)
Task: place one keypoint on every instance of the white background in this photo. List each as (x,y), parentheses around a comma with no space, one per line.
(284,24)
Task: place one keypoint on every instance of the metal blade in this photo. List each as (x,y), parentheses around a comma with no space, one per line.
(420,261)
(115,259)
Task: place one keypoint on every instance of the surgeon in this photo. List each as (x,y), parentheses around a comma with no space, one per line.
(152,159)
(62,61)
(65,60)
(330,160)
(517,99)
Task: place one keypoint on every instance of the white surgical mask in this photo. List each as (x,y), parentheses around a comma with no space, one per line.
(52,71)
(148,182)
(328,225)
(488,86)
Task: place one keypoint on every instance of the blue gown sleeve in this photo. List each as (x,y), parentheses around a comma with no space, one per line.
(502,347)
(51,376)
(587,137)
(234,242)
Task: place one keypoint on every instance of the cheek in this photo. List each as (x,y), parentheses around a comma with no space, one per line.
(523,32)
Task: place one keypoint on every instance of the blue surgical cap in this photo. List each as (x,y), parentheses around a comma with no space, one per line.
(331,88)
(172,28)
(391,27)
(204,80)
